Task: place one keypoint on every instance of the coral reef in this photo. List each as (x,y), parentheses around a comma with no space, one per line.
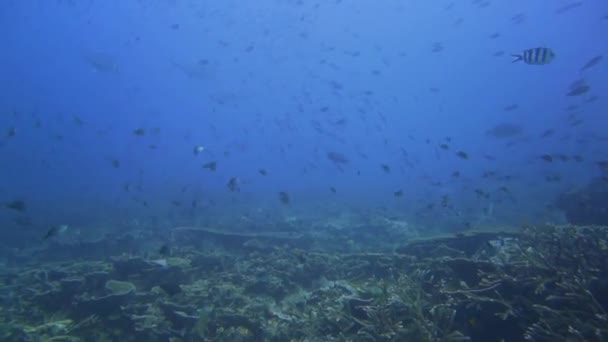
(543,283)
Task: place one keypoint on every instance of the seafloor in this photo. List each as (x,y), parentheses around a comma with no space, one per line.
(536,283)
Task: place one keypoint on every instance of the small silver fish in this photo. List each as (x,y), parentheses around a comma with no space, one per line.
(535,56)
(198,149)
(55,231)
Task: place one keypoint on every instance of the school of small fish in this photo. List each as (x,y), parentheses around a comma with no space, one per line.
(415,154)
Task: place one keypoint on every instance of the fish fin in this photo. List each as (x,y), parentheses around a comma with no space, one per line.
(517,58)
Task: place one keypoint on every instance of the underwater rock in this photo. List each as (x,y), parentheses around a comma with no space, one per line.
(95,281)
(170,288)
(51,299)
(60,295)
(55,275)
(126,267)
(149,325)
(257,245)
(467,244)
(394,227)
(89,250)
(443,251)
(213,262)
(354,306)
(13,332)
(224,320)
(586,206)
(380,265)
(270,285)
(115,287)
(56,328)
(502,251)
(181,316)
(71,285)
(468,270)
(189,236)
(152,273)
(118,294)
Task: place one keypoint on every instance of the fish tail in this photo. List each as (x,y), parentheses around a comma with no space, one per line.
(517,58)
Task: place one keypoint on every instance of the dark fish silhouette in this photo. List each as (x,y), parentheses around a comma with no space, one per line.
(518,18)
(211,166)
(603,164)
(481,194)
(284,197)
(592,62)
(547,133)
(55,231)
(462,155)
(78,121)
(11,132)
(140,132)
(578,90)
(233,184)
(568,7)
(337,158)
(17,205)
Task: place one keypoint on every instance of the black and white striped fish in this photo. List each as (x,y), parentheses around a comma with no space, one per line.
(535,56)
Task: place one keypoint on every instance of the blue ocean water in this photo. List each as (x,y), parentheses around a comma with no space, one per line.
(315,111)
(278,84)
(250,82)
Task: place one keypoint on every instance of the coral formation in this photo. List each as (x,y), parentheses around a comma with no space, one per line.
(542,283)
